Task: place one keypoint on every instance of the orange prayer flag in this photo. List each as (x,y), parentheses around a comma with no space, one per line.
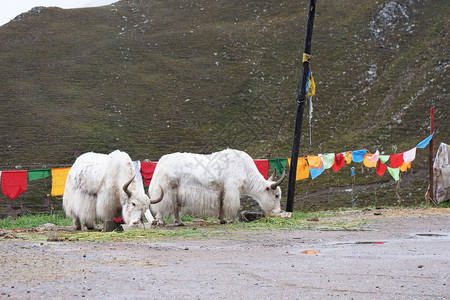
(405,166)
(368,161)
(348,157)
(315,162)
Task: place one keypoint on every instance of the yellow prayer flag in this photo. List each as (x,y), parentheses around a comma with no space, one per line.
(59,177)
(302,168)
(306,57)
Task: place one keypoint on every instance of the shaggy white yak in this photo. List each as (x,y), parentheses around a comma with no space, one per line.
(210,185)
(102,186)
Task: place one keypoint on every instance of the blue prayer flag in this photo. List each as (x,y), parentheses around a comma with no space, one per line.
(358,155)
(425,142)
(316,172)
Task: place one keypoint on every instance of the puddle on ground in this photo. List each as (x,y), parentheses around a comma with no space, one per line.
(430,234)
(360,243)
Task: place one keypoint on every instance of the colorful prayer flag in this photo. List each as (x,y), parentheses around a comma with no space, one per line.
(328,160)
(278,164)
(370,160)
(316,172)
(395,173)
(383,158)
(147,170)
(302,168)
(59,177)
(310,84)
(38,174)
(381,168)
(396,160)
(410,155)
(405,166)
(14,183)
(348,157)
(314,162)
(358,155)
(339,162)
(263,167)
(425,142)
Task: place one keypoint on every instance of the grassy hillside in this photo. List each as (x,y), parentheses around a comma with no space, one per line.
(155,77)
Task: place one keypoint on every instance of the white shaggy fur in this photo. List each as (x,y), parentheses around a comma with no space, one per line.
(210,185)
(94,190)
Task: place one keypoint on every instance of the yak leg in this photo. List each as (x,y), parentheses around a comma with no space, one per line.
(221,212)
(90,225)
(231,204)
(176,214)
(221,216)
(159,221)
(76,223)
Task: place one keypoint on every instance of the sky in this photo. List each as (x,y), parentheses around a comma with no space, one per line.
(9,9)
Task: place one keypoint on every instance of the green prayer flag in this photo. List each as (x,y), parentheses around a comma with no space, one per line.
(383,158)
(38,174)
(394,173)
(328,160)
(278,164)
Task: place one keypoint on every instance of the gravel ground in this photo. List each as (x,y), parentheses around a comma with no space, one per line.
(400,255)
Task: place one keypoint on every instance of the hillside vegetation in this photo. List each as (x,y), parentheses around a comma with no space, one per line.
(155,77)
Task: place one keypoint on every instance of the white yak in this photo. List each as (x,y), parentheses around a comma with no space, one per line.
(103,186)
(210,185)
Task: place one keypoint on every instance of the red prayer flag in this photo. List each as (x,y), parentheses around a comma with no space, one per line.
(14,183)
(339,162)
(263,167)
(381,168)
(147,170)
(396,160)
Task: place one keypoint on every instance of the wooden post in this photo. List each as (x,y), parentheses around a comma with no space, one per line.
(300,108)
(431,156)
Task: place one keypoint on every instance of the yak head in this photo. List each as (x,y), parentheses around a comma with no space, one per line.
(271,196)
(135,204)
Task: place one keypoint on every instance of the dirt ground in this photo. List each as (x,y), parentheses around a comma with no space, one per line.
(400,254)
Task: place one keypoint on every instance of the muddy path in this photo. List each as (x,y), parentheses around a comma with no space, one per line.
(399,255)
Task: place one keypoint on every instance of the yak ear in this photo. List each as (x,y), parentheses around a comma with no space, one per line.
(272,177)
(125,187)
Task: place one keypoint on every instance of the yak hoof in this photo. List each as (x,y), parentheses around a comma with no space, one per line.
(76,224)
(179,223)
(223,222)
(160,223)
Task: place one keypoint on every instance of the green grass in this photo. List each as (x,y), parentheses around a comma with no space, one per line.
(444,204)
(193,228)
(33,221)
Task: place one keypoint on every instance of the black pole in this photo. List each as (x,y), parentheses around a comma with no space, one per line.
(300,108)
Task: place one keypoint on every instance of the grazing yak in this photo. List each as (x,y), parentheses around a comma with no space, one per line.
(103,186)
(210,185)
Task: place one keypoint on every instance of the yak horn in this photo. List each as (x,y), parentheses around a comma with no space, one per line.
(275,184)
(160,197)
(125,187)
(272,177)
